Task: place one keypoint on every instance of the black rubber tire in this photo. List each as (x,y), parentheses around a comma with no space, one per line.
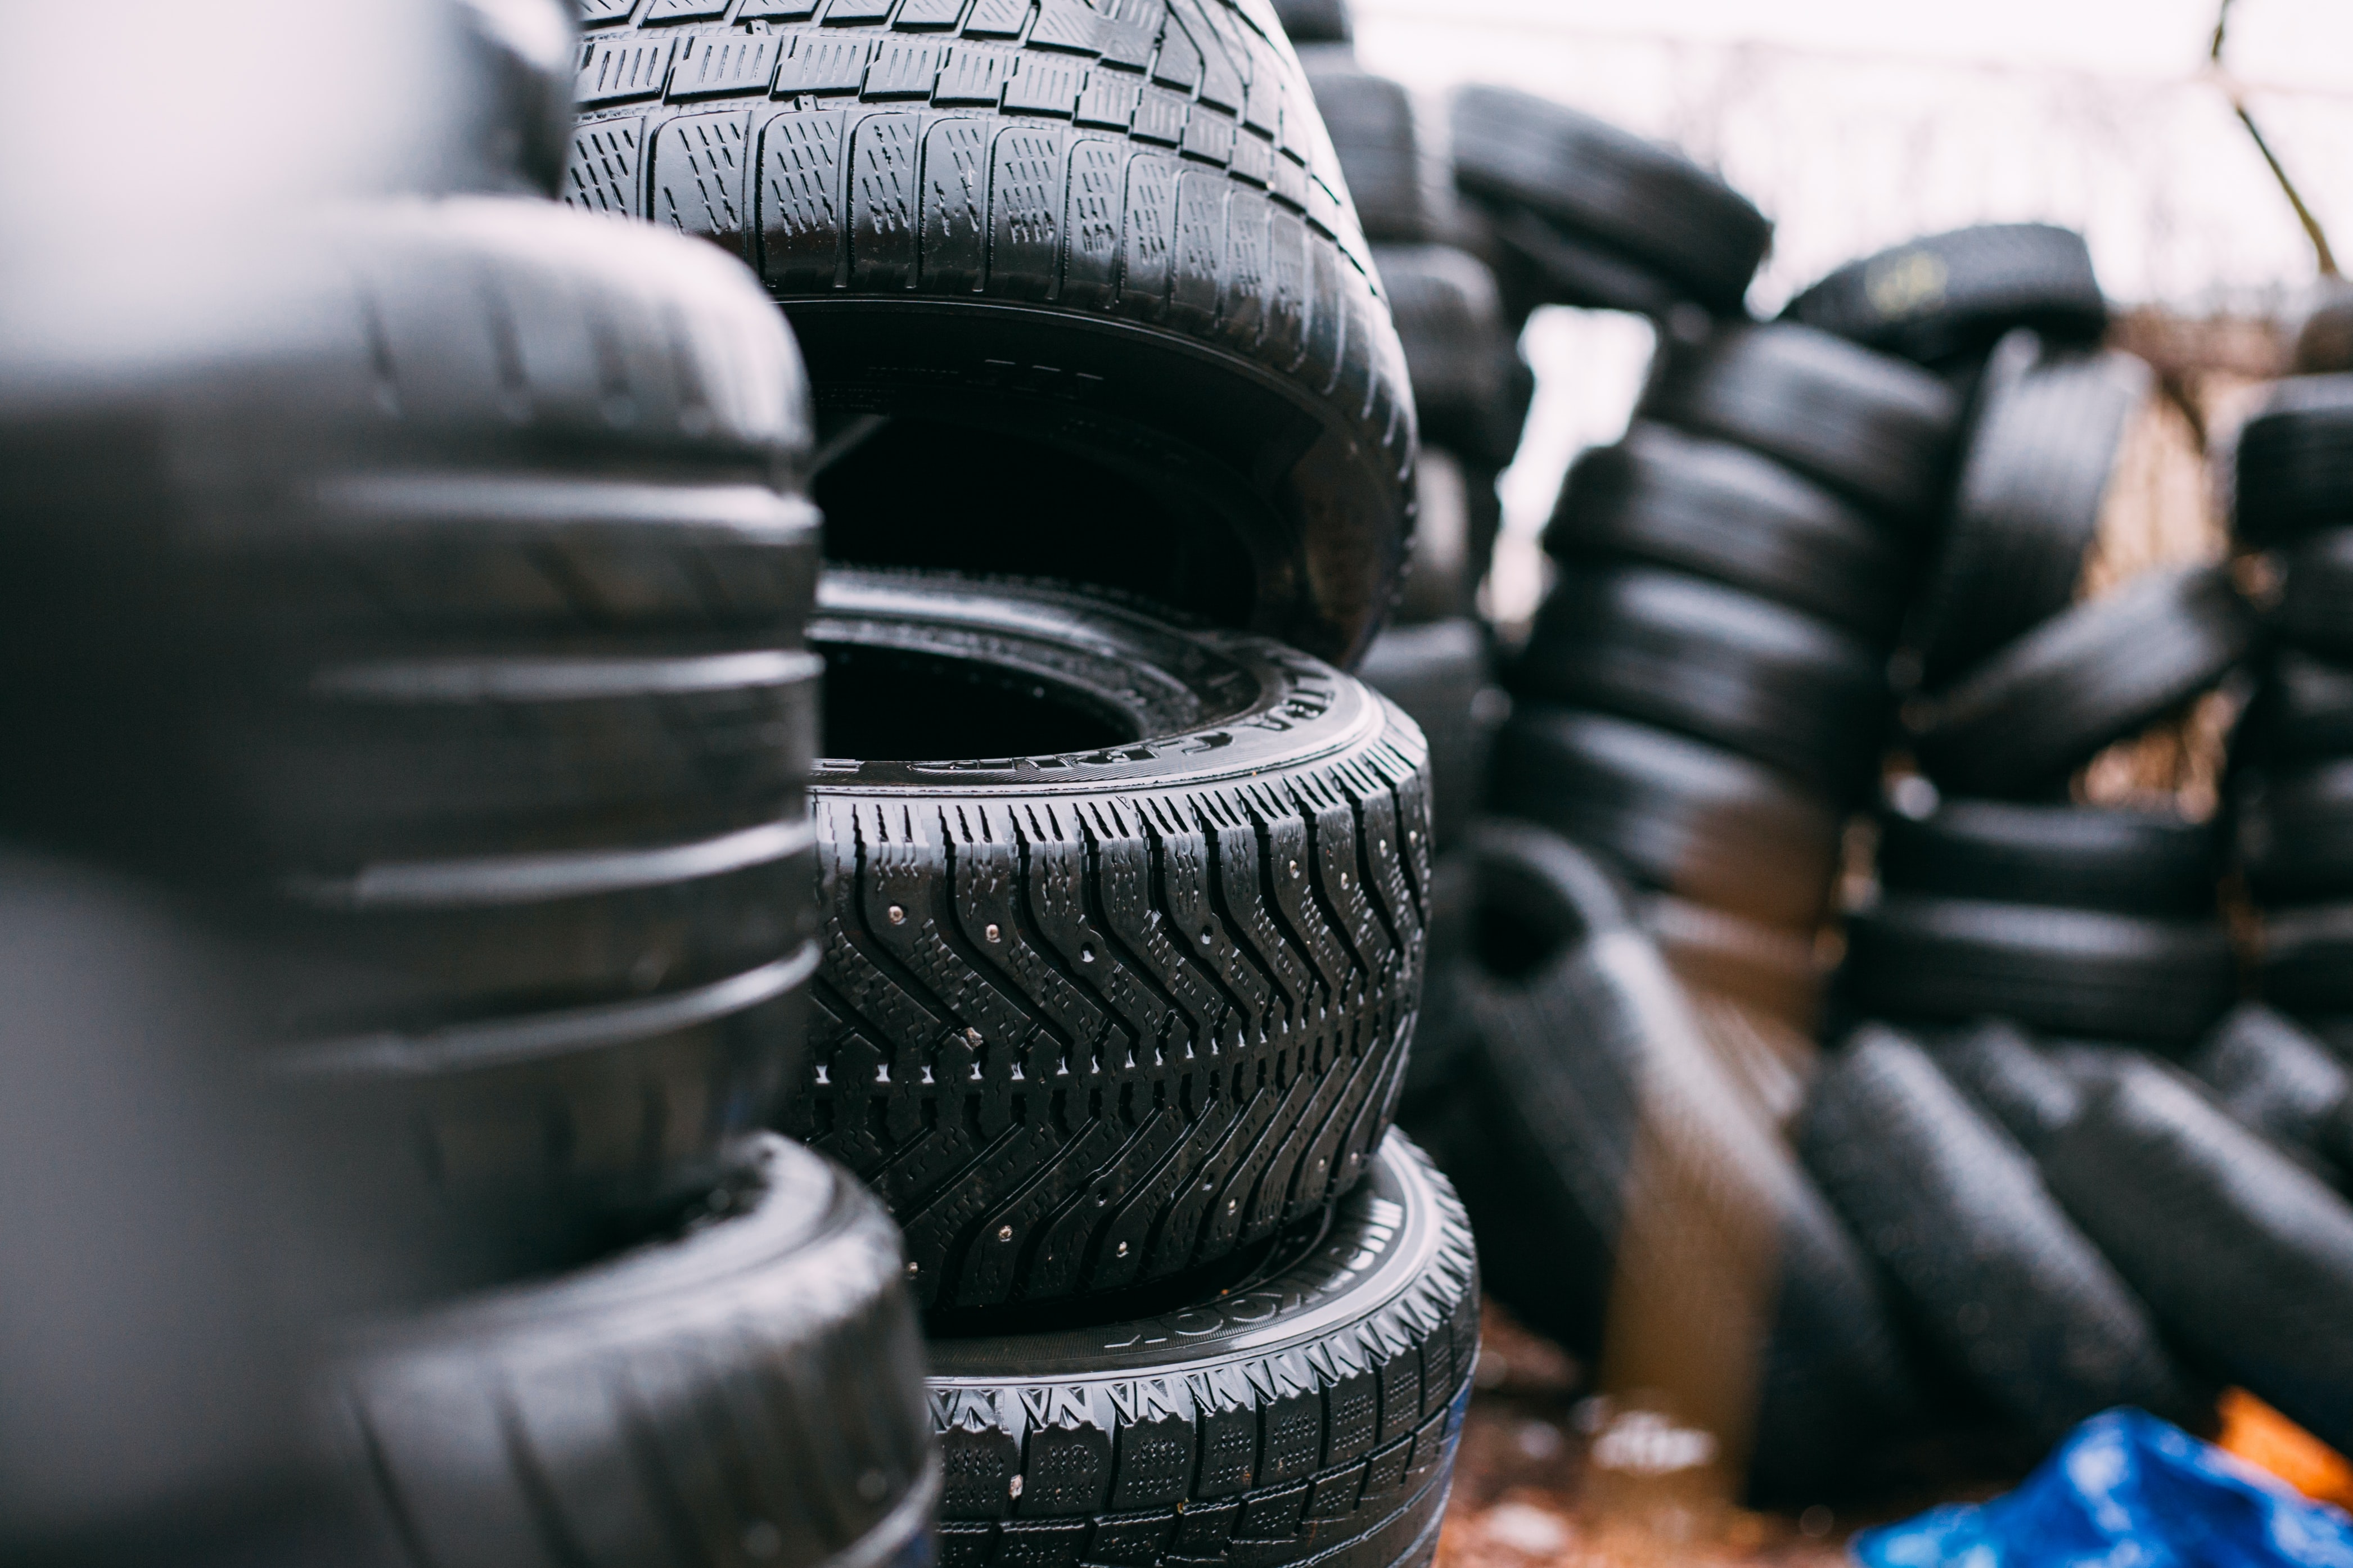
(2034,474)
(1875,429)
(2071,973)
(1644,207)
(2289,473)
(471,654)
(1717,511)
(1777,971)
(1306,1412)
(2066,856)
(2011,1295)
(1712,663)
(2246,1258)
(2002,1071)
(2315,606)
(1547,1186)
(2302,713)
(1453,541)
(1444,1034)
(2295,834)
(1107,289)
(2307,959)
(524,51)
(1675,815)
(2051,702)
(1947,296)
(1193,916)
(1376,135)
(1315,21)
(748,1388)
(1461,357)
(2280,1081)
(1438,673)
(2324,338)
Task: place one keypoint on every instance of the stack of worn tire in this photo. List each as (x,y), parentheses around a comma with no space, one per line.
(1124,883)
(417,587)
(2292,757)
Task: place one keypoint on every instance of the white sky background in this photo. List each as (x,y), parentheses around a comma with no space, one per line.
(1859,123)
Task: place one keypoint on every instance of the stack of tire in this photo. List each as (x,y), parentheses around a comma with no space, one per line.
(417,588)
(2292,759)
(1124,883)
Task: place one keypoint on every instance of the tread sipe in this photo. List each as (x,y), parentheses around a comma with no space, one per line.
(748,1389)
(1308,1413)
(1134,995)
(1049,261)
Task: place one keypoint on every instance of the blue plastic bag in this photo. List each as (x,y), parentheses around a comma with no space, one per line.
(2126,1490)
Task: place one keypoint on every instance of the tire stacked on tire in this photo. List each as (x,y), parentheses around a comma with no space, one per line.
(1125,888)
(2292,761)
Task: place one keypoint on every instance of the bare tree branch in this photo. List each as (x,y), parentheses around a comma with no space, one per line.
(2304,215)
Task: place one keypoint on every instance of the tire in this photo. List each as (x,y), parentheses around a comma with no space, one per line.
(1777,971)
(1557,1151)
(2013,1300)
(2003,1072)
(1106,291)
(1315,21)
(1444,1034)
(1438,674)
(2071,973)
(1374,131)
(1675,815)
(2281,1082)
(2246,1258)
(2295,835)
(2317,605)
(2149,864)
(2051,702)
(1949,295)
(2302,713)
(2323,340)
(1712,663)
(2288,473)
(2305,961)
(1307,1413)
(470,659)
(1876,430)
(1665,499)
(750,1385)
(524,51)
(1644,206)
(1453,542)
(1461,357)
(1200,896)
(2034,476)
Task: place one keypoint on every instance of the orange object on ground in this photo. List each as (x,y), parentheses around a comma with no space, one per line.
(2254,1431)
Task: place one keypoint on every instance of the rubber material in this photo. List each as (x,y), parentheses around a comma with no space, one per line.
(1873,428)
(1716,511)
(750,1386)
(2323,340)
(1315,21)
(2013,1299)
(1558,1136)
(1676,815)
(2003,1072)
(2034,474)
(1078,263)
(1947,296)
(1307,1413)
(2316,609)
(1461,357)
(2295,834)
(2246,1258)
(1712,663)
(2289,472)
(2302,713)
(2065,857)
(2048,703)
(1778,971)
(1445,1034)
(1371,121)
(2066,972)
(2305,956)
(1453,541)
(2280,1081)
(1438,674)
(1116,1008)
(524,51)
(1599,186)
